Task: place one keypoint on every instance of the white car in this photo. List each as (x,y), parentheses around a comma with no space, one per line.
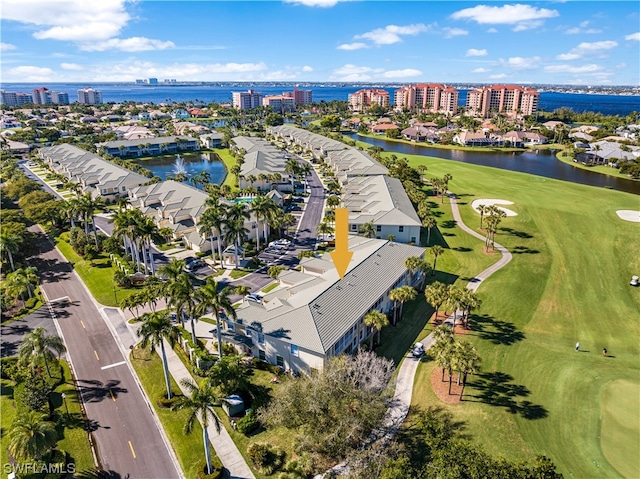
(256,298)
(418,350)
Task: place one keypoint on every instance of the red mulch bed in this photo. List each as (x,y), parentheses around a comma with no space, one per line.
(441,388)
(441,317)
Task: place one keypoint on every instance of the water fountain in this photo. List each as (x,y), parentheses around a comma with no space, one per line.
(178,166)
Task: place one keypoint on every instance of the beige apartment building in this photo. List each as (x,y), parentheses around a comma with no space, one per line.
(427,97)
(363,99)
(511,100)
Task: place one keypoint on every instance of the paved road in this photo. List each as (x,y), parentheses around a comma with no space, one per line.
(126,433)
(13,332)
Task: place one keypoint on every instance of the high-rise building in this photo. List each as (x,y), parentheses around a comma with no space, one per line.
(12,98)
(279,103)
(363,99)
(60,98)
(509,99)
(41,96)
(153,81)
(246,100)
(302,97)
(427,97)
(89,96)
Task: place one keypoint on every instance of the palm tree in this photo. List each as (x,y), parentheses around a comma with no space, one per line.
(9,243)
(436,295)
(156,327)
(31,436)
(211,297)
(468,302)
(436,250)
(263,209)
(442,347)
(429,222)
(400,295)
(182,296)
(148,231)
(213,218)
(376,320)
(324,228)
(467,361)
(292,168)
(87,205)
(237,213)
(454,301)
(481,209)
(38,345)
(368,230)
(333,201)
(19,282)
(199,401)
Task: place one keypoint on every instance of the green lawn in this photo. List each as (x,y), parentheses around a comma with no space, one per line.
(567,282)
(98,278)
(602,169)
(188,448)
(229,161)
(270,287)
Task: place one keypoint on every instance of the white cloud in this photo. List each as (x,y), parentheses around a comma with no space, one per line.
(474,52)
(572,69)
(453,32)
(27,73)
(314,3)
(307,68)
(133,44)
(586,48)
(522,63)
(5,47)
(407,72)
(633,36)
(524,17)
(69,20)
(71,66)
(392,33)
(498,76)
(352,46)
(582,28)
(492,30)
(480,70)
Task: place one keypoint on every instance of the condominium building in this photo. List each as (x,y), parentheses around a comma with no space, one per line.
(427,97)
(89,96)
(59,98)
(511,100)
(301,97)
(263,165)
(12,98)
(246,100)
(44,96)
(149,146)
(363,99)
(279,103)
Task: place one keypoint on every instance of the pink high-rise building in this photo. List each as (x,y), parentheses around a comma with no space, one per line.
(363,99)
(246,100)
(427,97)
(509,99)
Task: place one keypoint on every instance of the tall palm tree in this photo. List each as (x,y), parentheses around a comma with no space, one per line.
(213,218)
(148,231)
(324,228)
(454,301)
(10,244)
(199,401)
(482,210)
(333,201)
(258,210)
(211,297)
(31,436)
(442,348)
(436,250)
(400,295)
(292,168)
(182,296)
(156,327)
(467,361)
(436,295)
(468,302)
(87,205)
(368,230)
(19,282)
(38,345)
(376,320)
(235,231)
(429,222)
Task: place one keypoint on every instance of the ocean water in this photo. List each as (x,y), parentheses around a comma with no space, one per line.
(119,92)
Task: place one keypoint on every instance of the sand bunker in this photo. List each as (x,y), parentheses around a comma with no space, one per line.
(487,202)
(629,215)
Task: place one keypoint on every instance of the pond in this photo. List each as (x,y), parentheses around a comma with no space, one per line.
(535,162)
(193,163)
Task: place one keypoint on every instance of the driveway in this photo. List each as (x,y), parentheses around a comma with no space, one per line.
(13,332)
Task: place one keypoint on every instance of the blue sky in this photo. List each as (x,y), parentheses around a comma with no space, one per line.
(561,42)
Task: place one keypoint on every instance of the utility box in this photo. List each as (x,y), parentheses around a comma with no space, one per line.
(233,405)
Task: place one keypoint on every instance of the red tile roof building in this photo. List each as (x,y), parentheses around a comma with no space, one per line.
(427,97)
(362,99)
(509,99)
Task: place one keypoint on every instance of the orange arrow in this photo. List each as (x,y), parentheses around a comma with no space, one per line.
(341,256)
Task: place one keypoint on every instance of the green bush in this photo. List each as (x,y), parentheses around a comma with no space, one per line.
(216,473)
(248,423)
(31,302)
(8,368)
(164,402)
(267,458)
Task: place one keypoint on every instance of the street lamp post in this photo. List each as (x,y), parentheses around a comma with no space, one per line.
(64,399)
(115,295)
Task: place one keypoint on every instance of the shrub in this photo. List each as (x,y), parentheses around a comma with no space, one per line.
(8,367)
(267,458)
(217,471)
(31,302)
(164,402)
(248,423)
(112,245)
(33,394)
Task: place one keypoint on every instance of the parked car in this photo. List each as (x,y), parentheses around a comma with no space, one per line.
(418,350)
(196,264)
(256,298)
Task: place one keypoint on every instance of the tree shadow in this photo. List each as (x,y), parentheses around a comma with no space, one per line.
(98,474)
(95,391)
(496,389)
(512,232)
(495,330)
(462,249)
(523,250)
(448,224)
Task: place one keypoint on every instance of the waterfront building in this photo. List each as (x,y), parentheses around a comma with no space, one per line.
(136,147)
(511,100)
(263,166)
(153,81)
(89,96)
(11,98)
(427,97)
(279,103)
(301,97)
(322,315)
(246,100)
(95,175)
(363,99)
(41,96)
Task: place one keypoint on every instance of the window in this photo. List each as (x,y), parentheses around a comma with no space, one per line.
(354,227)
(262,355)
(260,338)
(378,228)
(280,361)
(295,351)
(231,326)
(124,188)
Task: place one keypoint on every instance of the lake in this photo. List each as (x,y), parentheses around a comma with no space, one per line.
(194,163)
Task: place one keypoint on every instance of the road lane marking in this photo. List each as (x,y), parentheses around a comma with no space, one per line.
(83,324)
(113,365)
(97,357)
(133,453)
(61,298)
(112,396)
